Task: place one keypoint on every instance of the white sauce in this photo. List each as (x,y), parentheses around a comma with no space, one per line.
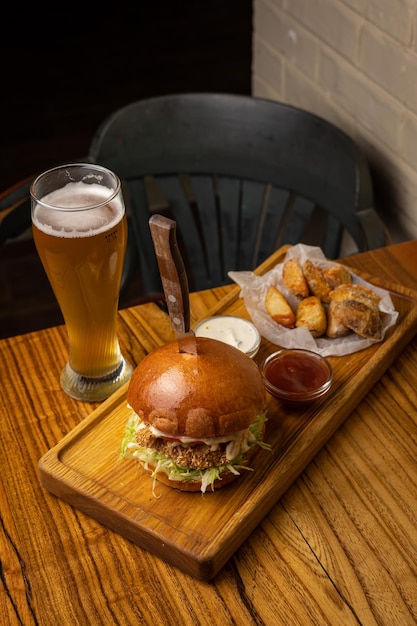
(236,442)
(230,329)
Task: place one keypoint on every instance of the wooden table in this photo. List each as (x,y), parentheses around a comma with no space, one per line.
(338,548)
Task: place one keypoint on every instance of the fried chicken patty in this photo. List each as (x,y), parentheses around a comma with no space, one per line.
(196,456)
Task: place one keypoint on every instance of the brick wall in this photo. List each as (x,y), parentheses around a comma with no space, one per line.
(353,62)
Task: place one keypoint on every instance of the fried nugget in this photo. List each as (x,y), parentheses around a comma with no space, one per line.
(337,275)
(293,278)
(316,281)
(335,328)
(360,293)
(278,307)
(311,314)
(362,319)
(357,308)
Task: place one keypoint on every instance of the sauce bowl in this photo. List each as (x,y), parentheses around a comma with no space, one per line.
(297,376)
(231,329)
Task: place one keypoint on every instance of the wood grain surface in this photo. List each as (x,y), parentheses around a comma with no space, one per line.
(85,468)
(338,547)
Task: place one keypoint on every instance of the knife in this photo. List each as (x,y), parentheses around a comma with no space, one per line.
(174,280)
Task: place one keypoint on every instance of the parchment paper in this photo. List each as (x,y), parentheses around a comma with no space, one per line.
(253,291)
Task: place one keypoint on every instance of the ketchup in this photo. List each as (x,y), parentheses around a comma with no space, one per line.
(296,373)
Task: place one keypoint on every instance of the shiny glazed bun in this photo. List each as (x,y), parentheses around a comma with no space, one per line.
(215,392)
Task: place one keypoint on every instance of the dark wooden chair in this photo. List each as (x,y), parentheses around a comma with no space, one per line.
(240,176)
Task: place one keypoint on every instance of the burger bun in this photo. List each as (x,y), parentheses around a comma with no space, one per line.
(215,392)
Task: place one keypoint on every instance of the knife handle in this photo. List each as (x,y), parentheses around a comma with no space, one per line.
(172,271)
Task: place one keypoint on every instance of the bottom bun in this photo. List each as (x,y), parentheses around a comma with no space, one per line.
(194,485)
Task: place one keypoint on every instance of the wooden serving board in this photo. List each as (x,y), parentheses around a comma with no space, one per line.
(195,532)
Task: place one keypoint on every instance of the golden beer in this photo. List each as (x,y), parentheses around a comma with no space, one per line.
(82,251)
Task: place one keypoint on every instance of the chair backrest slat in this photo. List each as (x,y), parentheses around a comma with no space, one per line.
(250,229)
(206,200)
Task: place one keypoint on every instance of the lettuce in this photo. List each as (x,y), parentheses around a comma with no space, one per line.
(151,458)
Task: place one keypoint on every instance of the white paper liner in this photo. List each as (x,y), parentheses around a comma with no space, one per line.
(253,292)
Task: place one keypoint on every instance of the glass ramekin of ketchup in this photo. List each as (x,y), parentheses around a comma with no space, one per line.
(297,376)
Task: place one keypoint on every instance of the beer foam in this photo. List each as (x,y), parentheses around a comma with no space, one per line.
(69,219)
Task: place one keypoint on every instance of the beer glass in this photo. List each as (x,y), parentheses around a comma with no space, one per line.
(80,232)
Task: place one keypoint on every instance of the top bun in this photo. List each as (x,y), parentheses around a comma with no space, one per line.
(215,392)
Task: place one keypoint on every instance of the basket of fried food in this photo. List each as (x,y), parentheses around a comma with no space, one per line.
(311,302)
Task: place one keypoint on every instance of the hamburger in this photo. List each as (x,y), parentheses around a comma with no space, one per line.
(197,419)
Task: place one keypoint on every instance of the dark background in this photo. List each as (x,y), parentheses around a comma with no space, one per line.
(65,68)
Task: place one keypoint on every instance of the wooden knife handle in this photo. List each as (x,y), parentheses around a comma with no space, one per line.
(172,270)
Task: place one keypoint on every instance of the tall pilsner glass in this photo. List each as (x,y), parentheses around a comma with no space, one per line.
(80,231)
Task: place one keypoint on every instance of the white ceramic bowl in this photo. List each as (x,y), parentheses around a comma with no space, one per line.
(231,329)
